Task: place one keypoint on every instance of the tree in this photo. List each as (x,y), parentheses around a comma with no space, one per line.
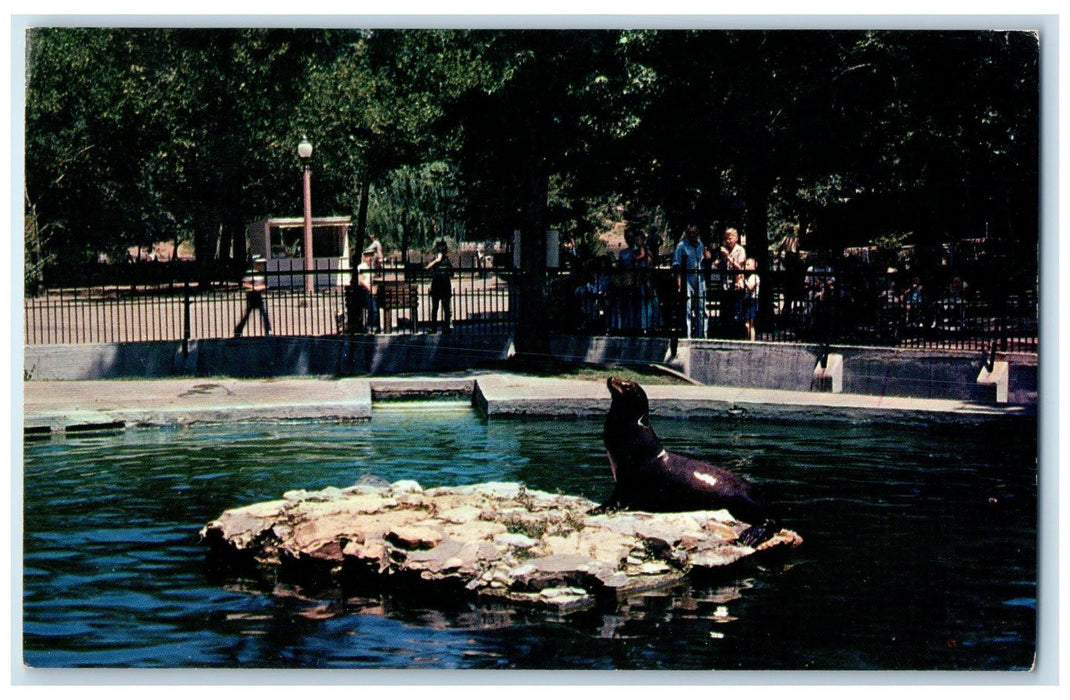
(138,135)
(517,129)
(373,110)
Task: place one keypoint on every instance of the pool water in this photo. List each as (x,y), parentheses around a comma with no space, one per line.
(920,549)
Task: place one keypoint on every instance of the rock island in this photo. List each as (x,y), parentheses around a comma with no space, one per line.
(493,541)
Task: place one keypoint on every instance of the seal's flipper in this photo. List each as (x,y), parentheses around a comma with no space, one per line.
(756,534)
(611,503)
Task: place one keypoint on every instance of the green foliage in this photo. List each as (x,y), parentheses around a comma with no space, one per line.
(415,205)
(34,257)
(140,135)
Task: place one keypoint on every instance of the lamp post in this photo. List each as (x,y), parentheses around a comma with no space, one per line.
(304,151)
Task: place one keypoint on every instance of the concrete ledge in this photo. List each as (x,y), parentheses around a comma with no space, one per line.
(754,365)
(999,377)
(1022,380)
(59,406)
(508,396)
(273,356)
(611,349)
(109,404)
(414,388)
(828,376)
(863,371)
(103,360)
(925,374)
(504,395)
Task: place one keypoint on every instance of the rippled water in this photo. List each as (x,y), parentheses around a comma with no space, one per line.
(920,549)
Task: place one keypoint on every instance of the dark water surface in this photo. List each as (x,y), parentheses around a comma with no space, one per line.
(920,549)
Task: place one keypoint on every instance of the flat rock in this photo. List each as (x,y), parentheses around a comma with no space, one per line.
(496,540)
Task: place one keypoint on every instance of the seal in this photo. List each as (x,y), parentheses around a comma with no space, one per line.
(648,477)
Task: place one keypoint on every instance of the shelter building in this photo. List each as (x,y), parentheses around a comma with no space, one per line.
(279,241)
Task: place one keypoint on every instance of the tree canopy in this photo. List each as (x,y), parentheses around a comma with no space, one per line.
(142,135)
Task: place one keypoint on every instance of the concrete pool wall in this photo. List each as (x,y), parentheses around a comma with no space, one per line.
(910,373)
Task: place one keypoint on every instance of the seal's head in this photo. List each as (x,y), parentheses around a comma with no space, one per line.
(630,404)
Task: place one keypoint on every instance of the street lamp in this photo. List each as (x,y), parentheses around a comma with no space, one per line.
(304,151)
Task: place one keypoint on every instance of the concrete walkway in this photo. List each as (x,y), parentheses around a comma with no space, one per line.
(53,406)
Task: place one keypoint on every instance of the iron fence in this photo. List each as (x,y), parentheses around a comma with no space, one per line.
(817,307)
(263,302)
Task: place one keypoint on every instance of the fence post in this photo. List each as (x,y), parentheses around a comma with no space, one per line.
(185,319)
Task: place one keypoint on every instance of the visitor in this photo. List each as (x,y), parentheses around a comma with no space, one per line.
(687,262)
(914,301)
(376,249)
(481,258)
(751,283)
(820,280)
(594,292)
(568,252)
(952,307)
(653,247)
(368,313)
(733,256)
(441,286)
(638,300)
(255,282)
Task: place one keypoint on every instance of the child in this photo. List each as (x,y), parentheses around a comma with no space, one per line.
(750,295)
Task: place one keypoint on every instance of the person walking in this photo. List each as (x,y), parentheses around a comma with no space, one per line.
(255,283)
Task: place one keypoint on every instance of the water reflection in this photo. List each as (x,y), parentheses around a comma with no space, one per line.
(920,550)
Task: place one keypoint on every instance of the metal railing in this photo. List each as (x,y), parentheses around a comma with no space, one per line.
(141,309)
(818,308)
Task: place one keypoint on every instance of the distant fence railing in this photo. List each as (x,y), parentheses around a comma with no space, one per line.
(816,308)
(144,308)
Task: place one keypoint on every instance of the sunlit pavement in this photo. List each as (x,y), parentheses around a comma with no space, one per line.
(51,406)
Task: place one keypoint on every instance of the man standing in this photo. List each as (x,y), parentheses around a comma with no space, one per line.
(376,249)
(687,262)
(368,315)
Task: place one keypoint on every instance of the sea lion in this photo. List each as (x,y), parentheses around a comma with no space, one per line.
(650,478)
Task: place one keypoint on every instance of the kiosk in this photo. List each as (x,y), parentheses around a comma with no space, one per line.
(279,242)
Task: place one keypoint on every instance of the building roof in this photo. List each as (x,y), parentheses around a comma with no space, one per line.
(297,221)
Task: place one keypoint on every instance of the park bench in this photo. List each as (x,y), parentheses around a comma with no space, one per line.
(393,295)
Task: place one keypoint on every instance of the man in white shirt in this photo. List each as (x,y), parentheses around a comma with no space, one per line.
(376,249)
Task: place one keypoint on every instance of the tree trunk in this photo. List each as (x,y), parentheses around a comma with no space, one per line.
(532,339)
(756,199)
(362,221)
(232,246)
(205,236)
(758,190)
